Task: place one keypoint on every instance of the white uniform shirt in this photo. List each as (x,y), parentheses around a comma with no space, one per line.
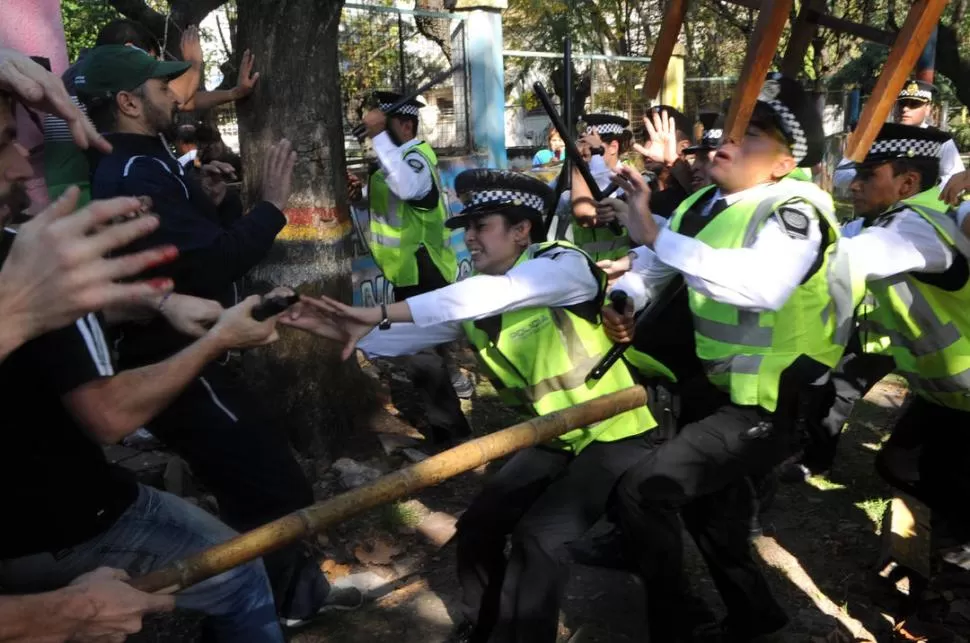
(557,278)
(761,277)
(407,173)
(602,175)
(908,243)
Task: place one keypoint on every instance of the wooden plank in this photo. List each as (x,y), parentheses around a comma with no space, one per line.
(666,40)
(912,38)
(802,33)
(761,50)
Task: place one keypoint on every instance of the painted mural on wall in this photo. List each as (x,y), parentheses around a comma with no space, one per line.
(370,287)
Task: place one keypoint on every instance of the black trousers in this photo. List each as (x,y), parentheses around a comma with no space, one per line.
(928,457)
(428,370)
(856,373)
(544,498)
(220,429)
(701,475)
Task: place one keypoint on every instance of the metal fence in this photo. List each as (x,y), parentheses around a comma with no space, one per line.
(386,48)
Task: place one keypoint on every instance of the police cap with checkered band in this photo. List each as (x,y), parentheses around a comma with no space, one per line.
(794,113)
(607,125)
(713,123)
(386,99)
(517,195)
(896,141)
(917,90)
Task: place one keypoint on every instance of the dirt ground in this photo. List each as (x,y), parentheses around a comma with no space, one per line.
(820,545)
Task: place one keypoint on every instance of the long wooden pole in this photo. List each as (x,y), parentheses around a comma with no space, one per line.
(663,50)
(311,520)
(761,50)
(912,38)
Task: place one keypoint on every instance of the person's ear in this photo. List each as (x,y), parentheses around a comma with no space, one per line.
(910,184)
(128,104)
(784,165)
(682,145)
(522,233)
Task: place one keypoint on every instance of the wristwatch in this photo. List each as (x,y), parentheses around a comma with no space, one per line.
(385,322)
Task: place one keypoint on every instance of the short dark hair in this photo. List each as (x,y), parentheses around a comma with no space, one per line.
(124,31)
(513,215)
(624,139)
(187,133)
(928,170)
(103,112)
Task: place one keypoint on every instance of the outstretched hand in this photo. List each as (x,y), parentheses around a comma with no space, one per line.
(661,146)
(333,320)
(955,188)
(640,223)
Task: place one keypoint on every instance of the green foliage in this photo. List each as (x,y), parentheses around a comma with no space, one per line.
(961,136)
(82,21)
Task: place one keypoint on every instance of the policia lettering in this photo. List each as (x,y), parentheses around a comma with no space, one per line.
(539,358)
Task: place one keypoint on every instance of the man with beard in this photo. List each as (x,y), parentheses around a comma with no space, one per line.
(411,246)
(215,423)
(57,357)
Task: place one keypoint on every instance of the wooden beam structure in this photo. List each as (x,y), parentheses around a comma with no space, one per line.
(840,25)
(910,41)
(761,51)
(803,31)
(663,50)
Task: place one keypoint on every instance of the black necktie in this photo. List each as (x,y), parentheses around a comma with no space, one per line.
(719,206)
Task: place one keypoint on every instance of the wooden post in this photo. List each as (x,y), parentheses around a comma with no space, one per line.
(761,50)
(910,41)
(436,469)
(802,33)
(663,50)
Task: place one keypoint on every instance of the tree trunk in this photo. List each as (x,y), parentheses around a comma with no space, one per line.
(950,63)
(309,391)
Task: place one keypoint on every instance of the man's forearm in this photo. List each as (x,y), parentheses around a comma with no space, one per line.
(185,86)
(114,407)
(208,100)
(12,335)
(50,617)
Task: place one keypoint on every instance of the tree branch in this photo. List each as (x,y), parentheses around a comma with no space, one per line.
(949,63)
(139,11)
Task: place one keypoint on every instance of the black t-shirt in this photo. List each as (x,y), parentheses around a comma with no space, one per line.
(58,490)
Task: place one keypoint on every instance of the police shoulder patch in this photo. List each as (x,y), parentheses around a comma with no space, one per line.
(416,165)
(794,222)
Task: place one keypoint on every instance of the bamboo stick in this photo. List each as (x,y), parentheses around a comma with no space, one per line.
(318,517)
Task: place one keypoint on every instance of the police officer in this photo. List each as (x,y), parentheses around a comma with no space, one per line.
(411,245)
(763,335)
(703,152)
(533,314)
(608,138)
(914,260)
(914,106)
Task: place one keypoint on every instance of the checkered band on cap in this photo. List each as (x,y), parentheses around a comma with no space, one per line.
(504,197)
(905,148)
(913,90)
(606,128)
(713,135)
(791,126)
(407,110)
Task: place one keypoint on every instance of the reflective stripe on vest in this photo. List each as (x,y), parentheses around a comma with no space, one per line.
(539,358)
(928,326)
(398,229)
(745,352)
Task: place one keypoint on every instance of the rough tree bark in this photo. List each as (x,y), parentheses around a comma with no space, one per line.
(298,97)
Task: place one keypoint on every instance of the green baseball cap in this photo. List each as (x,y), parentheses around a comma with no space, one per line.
(109,69)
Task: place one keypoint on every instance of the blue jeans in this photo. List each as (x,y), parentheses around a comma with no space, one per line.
(156,530)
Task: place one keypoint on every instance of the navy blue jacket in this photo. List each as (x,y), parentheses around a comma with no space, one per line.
(212,256)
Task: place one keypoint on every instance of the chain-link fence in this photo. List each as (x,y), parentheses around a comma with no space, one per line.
(386,48)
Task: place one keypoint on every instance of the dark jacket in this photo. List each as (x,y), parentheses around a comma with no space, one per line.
(212,256)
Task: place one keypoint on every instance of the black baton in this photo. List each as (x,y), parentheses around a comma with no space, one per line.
(652,311)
